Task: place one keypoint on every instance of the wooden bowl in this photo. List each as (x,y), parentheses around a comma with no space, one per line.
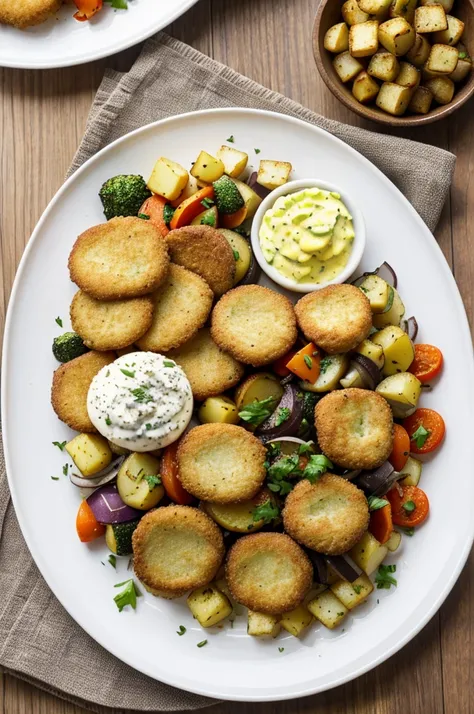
(329,13)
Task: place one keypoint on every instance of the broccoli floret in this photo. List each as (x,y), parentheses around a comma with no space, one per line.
(68,346)
(227,195)
(168,213)
(123,195)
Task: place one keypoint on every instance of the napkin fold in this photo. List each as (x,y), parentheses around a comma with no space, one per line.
(39,641)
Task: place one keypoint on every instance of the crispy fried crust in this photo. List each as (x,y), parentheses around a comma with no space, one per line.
(354,428)
(123,258)
(26,13)
(71,382)
(221,463)
(336,318)
(111,324)
(255,324)
(268,572)
(176,549)
(206,252)
(209,369)
(181,306)
(329,516)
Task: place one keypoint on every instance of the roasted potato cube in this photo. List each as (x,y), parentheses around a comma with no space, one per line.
(384,66)
(372,351)
(218,410)
(420,51)
(392,316)
(420,103)
(168,179)
(207,168)
(190,189)
(430,18)
(352,594)
(409,76)
(402,392)
(363,39)
(352,13)
(378,292)
(442,60)
(234,161)
(393,98)
(447,4)
(463,68)
(403,8)
(397,348)
(368,553)
(252,199)
(346,66)
(90,452)
(138,481)
(336,38)
(365,89)
(208,605)
(272,174)
(442,89)
(328,609)
(397,36)
(375,7)
(411,471)
(452,34)
(259,624)
(296,621)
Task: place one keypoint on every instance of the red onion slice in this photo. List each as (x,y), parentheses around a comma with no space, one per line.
(108,507)
(379,481)
(255,186)
(101,478)
(320,566)
(344,567)
(384,271)
(290,400)
(368,370)
(410,326)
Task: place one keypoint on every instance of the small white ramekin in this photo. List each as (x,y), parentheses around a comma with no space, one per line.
(358,245)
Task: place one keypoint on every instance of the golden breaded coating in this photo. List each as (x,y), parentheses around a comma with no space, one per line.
(206,252)
(123,258)
(255,324)
(221,463)
(209,369)
(329,516)
(268,572)
(336,318)
(71,382)
(26,13)
(181,306)
(176,549)
(354,428)
(111,324)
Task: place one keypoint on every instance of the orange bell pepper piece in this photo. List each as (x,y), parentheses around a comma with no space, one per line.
(306,363)
(190,208)
(87,9)
(153,207)
(87,526)
(232,220)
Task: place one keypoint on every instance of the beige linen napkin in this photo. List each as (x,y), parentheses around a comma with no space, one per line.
(39,642)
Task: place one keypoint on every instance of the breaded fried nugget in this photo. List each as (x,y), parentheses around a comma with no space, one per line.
(221,463)
(329,516)
(112,324)
(181,306)
(255,324)
(176,549)
(336,318)
(268,572)
(209,369)
(206,252)
(125,257)
(354,428)
(71,382)
(26,13)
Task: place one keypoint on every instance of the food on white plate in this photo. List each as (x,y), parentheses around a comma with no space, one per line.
(241,251)
(141,401)
(139,482)
(401,391)
(260,624)
(91,453)
(297,621)
(209,605)
(122,195)
(272,174)
(328,609)
(244,517)
(235,161)
(220,409)
(68,346)
(398,349)
(26,13)
(168,179)
(368,553)
(259,387)
(118,537)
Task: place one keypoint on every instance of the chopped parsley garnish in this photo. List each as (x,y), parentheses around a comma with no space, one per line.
(208,220)
(256,412)
(317,465)
(236,254)
(152,480)
(118,4)
(282,416)
(409,531)
(128,596)
(266,512)
(231,139)
(58,321)
(55,478)
(308,361)
(279,472)
(340,614)
(181,630)
(383,579)
(108,373)
(376,503)
(59,444)
(462,55)
(108,420)
(207,202)
(144,216)
(167,363)
(202,644)
(141,395)
(112,560)
(127,372)
(148,426)
(325,364)
(281,649)
(357,589)
(65,469)
(420,436)
(257,151)
(305,448)
(409,506)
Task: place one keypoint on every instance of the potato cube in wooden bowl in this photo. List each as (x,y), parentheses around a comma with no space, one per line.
(463,68)
(420,51)
(384,66)
(365,89)
(352,14)
(393,98)
(397,36)
(409,76)
(420,103)
(430,18)
(363,39)
(442,89)
(347,67)
(442,59)
(453,32)
(336,38)
(375,7)
(447,4)
(403,8)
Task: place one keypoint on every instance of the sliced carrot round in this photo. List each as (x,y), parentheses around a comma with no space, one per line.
(410,505)
(426,429)
(401,447)
(170,479)
(427,363)
(153,207)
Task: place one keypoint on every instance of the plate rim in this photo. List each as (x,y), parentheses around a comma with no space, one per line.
(304,689)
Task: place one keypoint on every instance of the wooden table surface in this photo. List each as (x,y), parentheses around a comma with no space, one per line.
(42,117)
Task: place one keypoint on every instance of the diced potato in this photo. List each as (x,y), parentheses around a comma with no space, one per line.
(234,161)
(375,7)
(328,609)
(402,392)
(368,553)
(442,60)
(384,66)
(207,168)
(258,387)
(412,469)
(218,410)
(409,76)
(447,4)
(352,13)
(190,189)
(272,174)
(346,66)
(442,89)
(134,484)
(452,34)
(353,594)
(296,621)
(420,103)
(90,452)
(208,605)
(430,18)
(259,624)
(329,377)
(168,179)
(252,199)
(403,8)
(420,51)
(394,315)
(378,292)
(365,89)
(372,351)
(363,39)
(336,38)
(393,98)
(463,68)
(397,348)
(394,541)
(397,36)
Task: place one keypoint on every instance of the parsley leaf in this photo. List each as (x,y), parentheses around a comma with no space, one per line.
(118,4)
(231,139)
(376,503)
(167,363)
(281,649)
(256,412)
(257,151)
(127,373)
(108,420)
(266,512)
(181,630)
(317,465)
(383,579)
(59,444)
(462,55)
(152,480)
(420,436)
(141,395)
(143,216)
(282,416)
(236,254)
(325,364)
(65,469)
(409,531)
(409,506)
(58,321)
(208,220)
(128,596)
(308,361)
(305,448)
(55,478)
(202,644)
(112,560)
(357,589)
(279,472)
(207,202)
